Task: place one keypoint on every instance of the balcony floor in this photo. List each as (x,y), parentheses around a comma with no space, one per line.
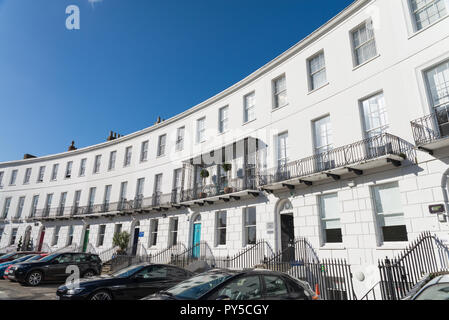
(340,171)
(435,144)
(227,196)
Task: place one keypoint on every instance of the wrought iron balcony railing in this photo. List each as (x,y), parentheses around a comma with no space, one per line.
(431,127)
(227,186)
(368,149)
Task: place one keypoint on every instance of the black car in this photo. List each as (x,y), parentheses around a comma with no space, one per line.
(52,268)
(253,284)
(131,283)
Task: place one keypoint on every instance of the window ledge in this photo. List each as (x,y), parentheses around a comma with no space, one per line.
(365,63)
(247,122)
(315,90)
(281,107)
(333,246)
(400,245)
(415,33)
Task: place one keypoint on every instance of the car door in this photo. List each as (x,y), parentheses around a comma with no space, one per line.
(81,260)
(276,288)
(56,269)
(246,287)
(151,280)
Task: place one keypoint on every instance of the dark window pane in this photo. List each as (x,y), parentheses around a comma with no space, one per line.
(251,235)
(222,236)
(395,233)
(333,236)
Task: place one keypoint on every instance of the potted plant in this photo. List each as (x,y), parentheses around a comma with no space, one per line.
(121,240)
(226,168)
(204,175)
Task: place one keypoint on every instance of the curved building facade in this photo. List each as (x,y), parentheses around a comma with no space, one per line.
(341,139)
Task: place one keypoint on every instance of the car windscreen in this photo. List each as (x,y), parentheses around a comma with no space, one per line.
(435,292)
(7,255)
(24,258)
(124,273)
(195,287)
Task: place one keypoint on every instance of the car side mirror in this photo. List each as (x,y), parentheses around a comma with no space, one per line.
(223,297)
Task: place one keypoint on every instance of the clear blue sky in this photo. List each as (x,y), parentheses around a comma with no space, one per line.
(131,61)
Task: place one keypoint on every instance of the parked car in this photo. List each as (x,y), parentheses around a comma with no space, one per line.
(12,264)
(14,255)
(52,268)
(134,282)
(434,286)
(5,265)
(252,284)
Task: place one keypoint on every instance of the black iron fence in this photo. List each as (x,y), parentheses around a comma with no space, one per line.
(198,252)
(331,277)
(368,149)
(427,254)
(250,257)
(167,255)
(431,127)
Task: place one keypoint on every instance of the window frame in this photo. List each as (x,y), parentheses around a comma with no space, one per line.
(112,160)
(324,219)
(97,164)
(179,145)
(161,145)
(223,119)
(82,170)
(219,228)
(128,156)
(275,94)
(41,174)
(54,172)
(27,176)
(312,88)
(413,20)
(201,132)
(248,226)
(13,178)
(366,23)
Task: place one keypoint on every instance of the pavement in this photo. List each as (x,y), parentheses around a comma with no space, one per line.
(14,291)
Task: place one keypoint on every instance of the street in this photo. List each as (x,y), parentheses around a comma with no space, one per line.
(14,291)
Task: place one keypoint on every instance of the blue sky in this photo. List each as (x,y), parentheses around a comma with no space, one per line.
(131,61)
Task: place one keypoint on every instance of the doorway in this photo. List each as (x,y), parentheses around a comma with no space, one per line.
(41,239)
(135,238)
(86,238)
(287,237)
(196,237)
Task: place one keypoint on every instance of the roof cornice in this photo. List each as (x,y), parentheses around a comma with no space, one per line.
(301,45)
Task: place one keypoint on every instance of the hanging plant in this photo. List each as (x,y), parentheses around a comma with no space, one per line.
(226,167)
(204,173)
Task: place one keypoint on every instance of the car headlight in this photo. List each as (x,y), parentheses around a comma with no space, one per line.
(75,291)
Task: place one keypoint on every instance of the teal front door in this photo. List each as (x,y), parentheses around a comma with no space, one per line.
(196,240)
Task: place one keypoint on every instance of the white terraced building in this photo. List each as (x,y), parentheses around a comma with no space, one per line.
(342,139)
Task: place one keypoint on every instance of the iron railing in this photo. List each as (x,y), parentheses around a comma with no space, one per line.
(427,254)
(431,127)
(198,252)
(108,254)
(166,255)
(367,149)
(220,188)
(253,256)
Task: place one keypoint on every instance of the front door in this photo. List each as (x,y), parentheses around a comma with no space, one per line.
(135,241)
(287,238)
(196,240)
(41,240)
(86,239)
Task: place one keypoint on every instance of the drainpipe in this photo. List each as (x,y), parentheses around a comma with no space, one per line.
(445,194)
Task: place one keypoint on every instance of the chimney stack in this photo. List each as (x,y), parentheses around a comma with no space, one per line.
(72,147)
(28,156)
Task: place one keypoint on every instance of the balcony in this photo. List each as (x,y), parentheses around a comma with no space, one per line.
(431,132)
(351,159)
(225,190)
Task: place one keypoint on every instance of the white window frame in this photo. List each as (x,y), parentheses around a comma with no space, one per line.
(180,133)
(97,164)
(128,156)
(219,228)
(34,204)
(223,119)
(144,151)
(82,170)
(41,174)
(6,207)
(173,231)
(68,170)
(370,132)
(101,235)
(27,177)
(154,228)
(412,15)
(54,172)
(324,217)
(312,85)
(282,159)
(20,206)
(112,159)
(276,94)
(140,187)
(249,109)
(2,174)
(55,239)
(367,24)
(247,226)
(201,131)
(12,181)
(161,144)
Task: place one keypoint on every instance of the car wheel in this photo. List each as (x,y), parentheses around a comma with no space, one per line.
(101,295)
(34,278)
(88,274)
